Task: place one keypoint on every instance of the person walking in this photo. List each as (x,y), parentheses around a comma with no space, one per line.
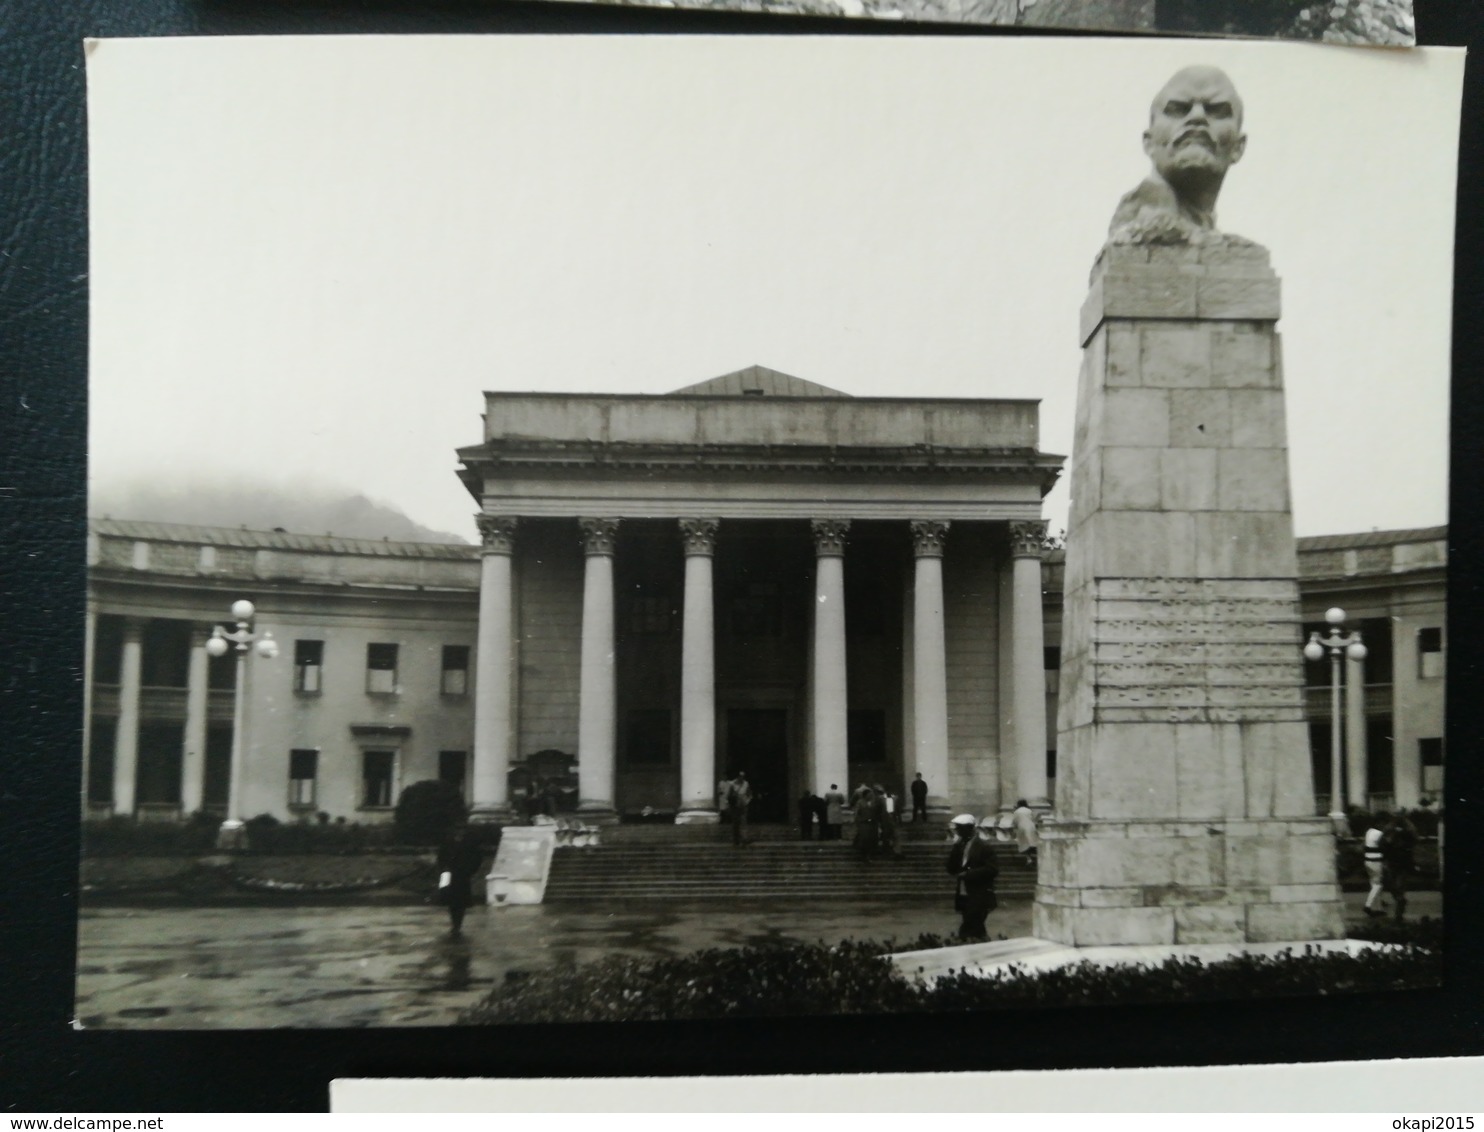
(459,858)
(834,812)
(739,794)
(1398,842)
(886,832)
(1027,837)
(1375,869)
(971,862)
(919,789)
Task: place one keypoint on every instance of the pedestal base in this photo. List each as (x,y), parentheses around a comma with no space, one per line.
(1169,882)
(521,866)
(697,817)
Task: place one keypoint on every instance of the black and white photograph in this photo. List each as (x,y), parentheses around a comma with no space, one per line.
(665,528)
(1377,23)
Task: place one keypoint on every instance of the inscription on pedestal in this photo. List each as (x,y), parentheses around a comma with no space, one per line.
(1220,650)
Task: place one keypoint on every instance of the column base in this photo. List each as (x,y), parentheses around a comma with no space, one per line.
(697,817)
(491,813)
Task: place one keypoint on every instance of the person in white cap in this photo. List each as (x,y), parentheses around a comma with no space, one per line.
(972,862)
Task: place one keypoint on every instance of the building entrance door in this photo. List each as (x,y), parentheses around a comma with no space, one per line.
(757,743)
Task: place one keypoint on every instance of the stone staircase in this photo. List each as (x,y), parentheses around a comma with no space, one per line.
(770,867)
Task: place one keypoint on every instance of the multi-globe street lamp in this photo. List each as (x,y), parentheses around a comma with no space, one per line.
(246,642)
(1338,645)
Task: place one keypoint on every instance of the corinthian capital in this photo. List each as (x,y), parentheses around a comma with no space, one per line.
(829,536)
(598,535)
(927,537)
(699,535)
(1028,538)
(496,533)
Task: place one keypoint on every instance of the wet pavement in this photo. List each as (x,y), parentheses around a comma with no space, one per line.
(234,968)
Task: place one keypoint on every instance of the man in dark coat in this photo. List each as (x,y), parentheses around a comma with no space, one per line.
(919,800)
(867,815)
(459,858)
(972,862)
(1398,843)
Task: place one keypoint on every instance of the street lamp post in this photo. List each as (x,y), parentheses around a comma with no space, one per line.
(1338,645)
(246,642)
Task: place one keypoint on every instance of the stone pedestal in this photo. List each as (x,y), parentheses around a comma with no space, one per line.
(521,866)
(1185,805)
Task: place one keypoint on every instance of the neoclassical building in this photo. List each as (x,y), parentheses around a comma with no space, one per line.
(760,574)
(755,573)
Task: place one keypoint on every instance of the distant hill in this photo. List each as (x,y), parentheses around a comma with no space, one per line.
(262,508)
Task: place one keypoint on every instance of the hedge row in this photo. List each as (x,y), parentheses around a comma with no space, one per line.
(196,837)
(852,978)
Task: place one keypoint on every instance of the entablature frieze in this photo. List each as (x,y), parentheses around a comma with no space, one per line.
(922,459)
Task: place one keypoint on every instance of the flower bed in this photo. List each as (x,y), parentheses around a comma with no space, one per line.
(217,877)
(790,980)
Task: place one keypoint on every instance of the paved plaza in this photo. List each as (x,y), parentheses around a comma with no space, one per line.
(258,967)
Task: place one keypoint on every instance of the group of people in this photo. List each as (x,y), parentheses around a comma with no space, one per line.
(1389,848)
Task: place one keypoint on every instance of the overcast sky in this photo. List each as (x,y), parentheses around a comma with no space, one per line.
(311,255)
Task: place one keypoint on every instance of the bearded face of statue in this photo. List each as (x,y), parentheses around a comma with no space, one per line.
(1195,127)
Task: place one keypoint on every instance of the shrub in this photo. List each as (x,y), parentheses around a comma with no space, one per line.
(791,979)
(125,837)
(427,810)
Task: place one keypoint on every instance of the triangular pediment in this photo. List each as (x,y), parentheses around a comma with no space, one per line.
(758,381)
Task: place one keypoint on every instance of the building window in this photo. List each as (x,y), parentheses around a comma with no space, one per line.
(453,768)
(650,615)
(166,654)
(108,650)
(757,610)
(647,737)
(100,759)
(309,662)
(1376,633)
(378,769)
(1051,763)
(1430,754)
(455,670)
(1051,662)
(865,736)
(1430,653)
(303,771)
(381,669)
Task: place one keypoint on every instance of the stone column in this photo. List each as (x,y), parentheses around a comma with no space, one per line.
(929,664)
(597,721)
(126,741)
(1357,786)
(1185,802)
(1028,662)
(494,675)
(831,763)
(698,677)
(193,749)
